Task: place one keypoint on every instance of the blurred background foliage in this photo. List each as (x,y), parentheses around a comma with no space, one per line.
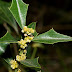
(48,14)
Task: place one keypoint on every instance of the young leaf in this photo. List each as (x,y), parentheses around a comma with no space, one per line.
(52,37)
(33,25)
(19,11)
(31,63)
(3,47)
(7,38)
(6,16)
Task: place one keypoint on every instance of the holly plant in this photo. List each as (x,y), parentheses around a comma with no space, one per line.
(19,11)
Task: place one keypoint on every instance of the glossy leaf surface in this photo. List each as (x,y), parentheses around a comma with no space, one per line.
(52,37)
(19,10)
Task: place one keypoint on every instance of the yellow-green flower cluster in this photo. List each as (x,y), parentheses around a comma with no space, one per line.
(27,30)
(21,57)
(23,44)
(14,64)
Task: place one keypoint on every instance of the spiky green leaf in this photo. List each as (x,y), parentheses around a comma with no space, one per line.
(51,37)
(19,10)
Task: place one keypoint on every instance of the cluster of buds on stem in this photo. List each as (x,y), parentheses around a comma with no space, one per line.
(23,44)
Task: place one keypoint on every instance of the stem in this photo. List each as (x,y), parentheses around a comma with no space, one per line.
(6,27)
(15,49)
(34,53)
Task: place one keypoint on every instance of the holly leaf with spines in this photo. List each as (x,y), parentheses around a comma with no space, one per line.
(19,10)
(51,37)
(7,38)
(33,25)
(31,63)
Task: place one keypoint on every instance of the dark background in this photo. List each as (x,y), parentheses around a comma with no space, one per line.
(49,14)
